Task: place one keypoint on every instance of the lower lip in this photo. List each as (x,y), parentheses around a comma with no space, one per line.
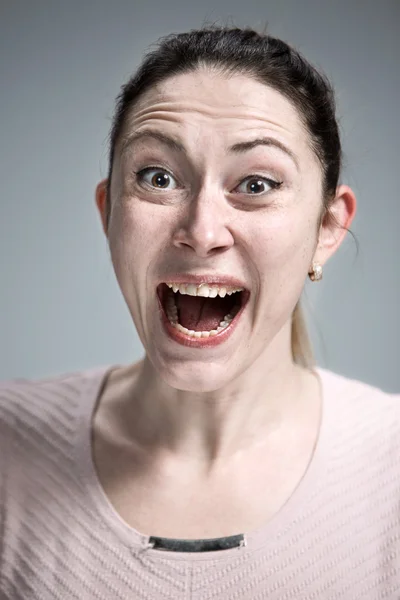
(191,342)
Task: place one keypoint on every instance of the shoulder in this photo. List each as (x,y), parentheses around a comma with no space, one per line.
(23,397)
(354,390)
(362,415)
(31,407)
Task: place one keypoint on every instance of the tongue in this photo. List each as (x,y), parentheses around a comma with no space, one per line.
(201,314)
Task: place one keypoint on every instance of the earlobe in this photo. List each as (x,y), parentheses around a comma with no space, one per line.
(335,223)
(101,202)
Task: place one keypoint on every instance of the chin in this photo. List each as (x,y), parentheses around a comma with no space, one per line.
(196,377)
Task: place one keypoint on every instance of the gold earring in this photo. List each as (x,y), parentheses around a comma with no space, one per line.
(316,272)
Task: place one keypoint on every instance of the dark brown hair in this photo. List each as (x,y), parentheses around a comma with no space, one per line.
(268,60)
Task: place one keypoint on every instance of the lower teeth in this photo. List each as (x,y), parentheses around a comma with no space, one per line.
(172,314)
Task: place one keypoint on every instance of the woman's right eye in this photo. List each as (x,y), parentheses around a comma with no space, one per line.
(157,178)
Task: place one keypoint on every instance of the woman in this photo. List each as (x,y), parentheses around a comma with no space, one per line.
(224,464)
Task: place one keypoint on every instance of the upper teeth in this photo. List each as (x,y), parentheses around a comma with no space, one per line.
(205,290)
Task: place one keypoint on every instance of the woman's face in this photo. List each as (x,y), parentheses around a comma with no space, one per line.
(213,178)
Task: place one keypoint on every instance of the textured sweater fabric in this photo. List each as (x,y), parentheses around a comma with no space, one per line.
(337,537)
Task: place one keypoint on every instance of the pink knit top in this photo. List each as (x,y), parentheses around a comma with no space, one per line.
(337,537)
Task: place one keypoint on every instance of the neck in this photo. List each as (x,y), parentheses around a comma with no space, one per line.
(212,427)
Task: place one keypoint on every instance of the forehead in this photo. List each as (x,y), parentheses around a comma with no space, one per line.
(205,101)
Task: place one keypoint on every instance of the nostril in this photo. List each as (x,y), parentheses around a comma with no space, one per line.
(205,238)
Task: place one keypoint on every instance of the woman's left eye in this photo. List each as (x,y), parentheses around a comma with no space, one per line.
(157,178)
(257,185)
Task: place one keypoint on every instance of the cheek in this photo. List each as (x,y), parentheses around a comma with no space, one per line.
(136,243)
(286,241)
(128,243)
(135,231)
(283,247)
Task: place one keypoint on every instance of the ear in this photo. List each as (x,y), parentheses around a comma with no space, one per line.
(101,202)
(335,223)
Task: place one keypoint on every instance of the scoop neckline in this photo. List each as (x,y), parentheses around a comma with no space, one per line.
(267,534)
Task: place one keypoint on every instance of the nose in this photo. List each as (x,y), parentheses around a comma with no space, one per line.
(204,226)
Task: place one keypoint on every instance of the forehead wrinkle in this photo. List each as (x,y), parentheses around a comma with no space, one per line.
(241,112)
(206,95)
(250,120)
(247,123)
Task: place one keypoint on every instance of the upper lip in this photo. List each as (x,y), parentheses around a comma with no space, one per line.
(210,279)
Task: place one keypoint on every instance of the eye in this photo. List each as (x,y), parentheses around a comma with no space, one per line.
(257,185)
(157,178)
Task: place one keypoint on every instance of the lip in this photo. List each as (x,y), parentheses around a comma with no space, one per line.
(215,340)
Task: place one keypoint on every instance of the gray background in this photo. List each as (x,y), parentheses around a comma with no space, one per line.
(62,64)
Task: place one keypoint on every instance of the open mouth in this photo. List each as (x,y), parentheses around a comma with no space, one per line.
(201,311)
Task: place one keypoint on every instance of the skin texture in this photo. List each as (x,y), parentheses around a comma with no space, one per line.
(213,412)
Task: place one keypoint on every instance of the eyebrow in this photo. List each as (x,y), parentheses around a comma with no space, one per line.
(242,147)
(239,148)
